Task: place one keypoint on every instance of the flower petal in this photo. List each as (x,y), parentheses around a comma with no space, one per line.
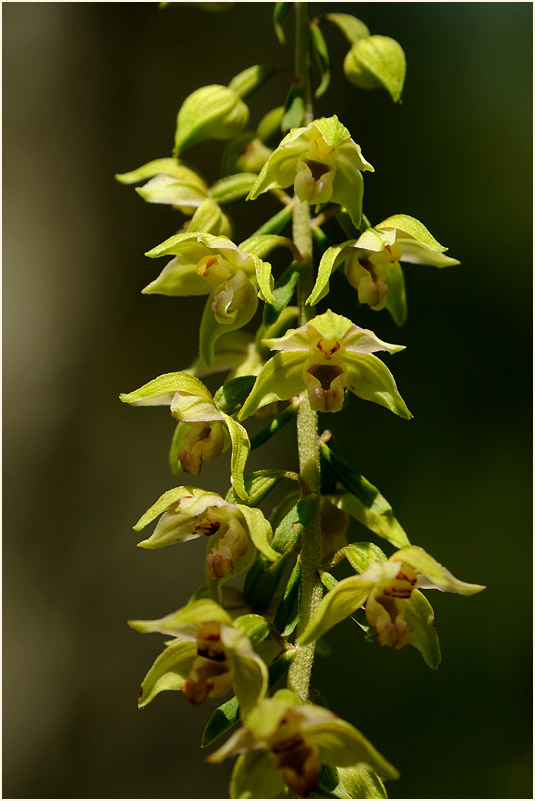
(433,574)
(169,671)
(255,776)
(421,628)
(280,379)
(338,604)
(161,391)
(342,744)
(368,378)
(184,621)
(259,530)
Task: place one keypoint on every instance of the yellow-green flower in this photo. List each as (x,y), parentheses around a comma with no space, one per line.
(210,654)
(323,164)
(284,743)
(324,357)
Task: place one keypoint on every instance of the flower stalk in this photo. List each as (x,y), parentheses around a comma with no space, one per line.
(242,638)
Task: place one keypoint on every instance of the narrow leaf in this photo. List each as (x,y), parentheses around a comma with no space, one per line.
(257,486)
(287,614)
(251,79)
(283,292)
(233,187)
(321,53)
(280,13)
(292,525)
(231,396)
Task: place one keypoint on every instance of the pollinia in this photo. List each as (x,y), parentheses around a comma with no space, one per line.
(242,638)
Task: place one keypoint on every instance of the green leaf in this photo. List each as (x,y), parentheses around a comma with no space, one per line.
(422,632)
(274,425)
(359,486)
(280,13)
(382,523)
(326,267)
(287,614)
(230,397)
(292,525)
(396,297)
(377,61)
(169,671)
(277,223)
(294,108)
(240,451)
(211,112)
(251,79)
(321,53)
(283,292)
(257,486)
(221,720)
(261,582)
(233,187)
(352,28)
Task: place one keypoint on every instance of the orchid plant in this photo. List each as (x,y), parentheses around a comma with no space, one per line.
(303,364)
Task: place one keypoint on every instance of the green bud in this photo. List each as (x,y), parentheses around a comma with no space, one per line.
(376,61)
(211,112)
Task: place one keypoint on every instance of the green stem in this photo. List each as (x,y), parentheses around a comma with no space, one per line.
(307,420)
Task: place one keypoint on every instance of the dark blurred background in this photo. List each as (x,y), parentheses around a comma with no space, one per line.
(91,89)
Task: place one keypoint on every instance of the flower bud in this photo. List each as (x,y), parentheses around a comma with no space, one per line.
(211,112)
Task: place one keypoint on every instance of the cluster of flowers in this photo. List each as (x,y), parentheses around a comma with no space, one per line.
(219,642)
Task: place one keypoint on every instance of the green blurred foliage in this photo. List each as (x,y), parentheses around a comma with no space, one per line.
(93,89)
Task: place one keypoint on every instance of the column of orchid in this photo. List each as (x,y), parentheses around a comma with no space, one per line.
(240,638)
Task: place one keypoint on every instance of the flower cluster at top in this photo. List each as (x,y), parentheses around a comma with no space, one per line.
(240,639)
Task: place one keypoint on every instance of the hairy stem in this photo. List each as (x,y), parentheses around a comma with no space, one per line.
(307,420)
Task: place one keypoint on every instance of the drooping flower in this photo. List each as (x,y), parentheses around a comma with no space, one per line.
(284,743)
(235,531)
(210,654)
(372,267)
(390,590)
(324,357)
(203,431)
(204,264)
(322,162)
(170,182)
